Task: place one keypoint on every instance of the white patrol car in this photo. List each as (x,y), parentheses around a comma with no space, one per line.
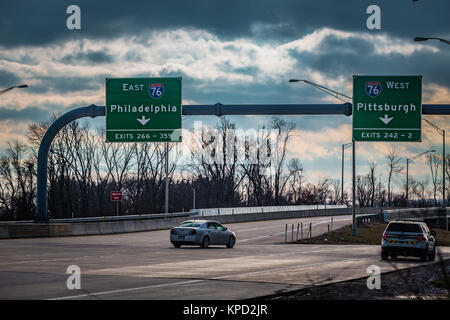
(408,238)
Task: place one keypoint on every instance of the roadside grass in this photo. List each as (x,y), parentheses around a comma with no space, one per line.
(369,233)
(441,283)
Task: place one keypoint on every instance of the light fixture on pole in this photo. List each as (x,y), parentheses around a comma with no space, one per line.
(10,88)
(407,171)
(442,133)
(322,88)
(431,38)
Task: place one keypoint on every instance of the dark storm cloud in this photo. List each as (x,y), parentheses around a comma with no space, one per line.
(45,111)
(62,85)
(8,79)
(28,113)
(23,59)
(91,57)
(32,22)
(336,57)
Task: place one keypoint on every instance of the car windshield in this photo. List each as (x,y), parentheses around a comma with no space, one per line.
(189,224)
(404,227)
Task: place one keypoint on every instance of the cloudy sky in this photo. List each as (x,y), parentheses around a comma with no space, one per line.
(233,52)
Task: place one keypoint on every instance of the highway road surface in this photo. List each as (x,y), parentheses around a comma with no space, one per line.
(145,265)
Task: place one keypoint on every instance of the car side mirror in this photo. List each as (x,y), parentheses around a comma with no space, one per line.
(433,233)
(225,228)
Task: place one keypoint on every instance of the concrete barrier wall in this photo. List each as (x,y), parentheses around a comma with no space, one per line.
(245,210)
(32,230)
(437,217)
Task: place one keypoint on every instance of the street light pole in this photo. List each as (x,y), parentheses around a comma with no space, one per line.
(407,182)
(166,203)
(443,170)
(408,160)
(431,38)
(324,89)
(342,177)
(344,146)
(441,132)
(353,191)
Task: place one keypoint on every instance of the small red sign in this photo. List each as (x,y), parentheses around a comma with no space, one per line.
(116,195)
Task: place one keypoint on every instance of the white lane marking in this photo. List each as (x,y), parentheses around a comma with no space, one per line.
(35,261)
(102,293)
(199,280)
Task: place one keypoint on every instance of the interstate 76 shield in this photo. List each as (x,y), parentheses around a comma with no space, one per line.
(373,88)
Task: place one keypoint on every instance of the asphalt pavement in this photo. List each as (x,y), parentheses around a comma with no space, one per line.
(145,265)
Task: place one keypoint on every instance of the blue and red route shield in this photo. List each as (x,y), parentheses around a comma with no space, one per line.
(156,90)
(373,88)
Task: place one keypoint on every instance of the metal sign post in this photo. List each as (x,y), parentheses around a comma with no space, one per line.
(116,196)
(353,190)
(166,202)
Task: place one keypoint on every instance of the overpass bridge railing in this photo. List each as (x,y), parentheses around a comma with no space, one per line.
(244,210)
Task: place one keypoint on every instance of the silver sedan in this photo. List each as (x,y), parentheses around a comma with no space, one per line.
(203,233)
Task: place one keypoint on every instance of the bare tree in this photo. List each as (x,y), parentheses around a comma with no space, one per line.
(296,175)
(363,190)
(80,151)
(336,195)
(255,165)
(17,189)
(118,157)
(394,168)
(434,164)
(214,164)
(283,131)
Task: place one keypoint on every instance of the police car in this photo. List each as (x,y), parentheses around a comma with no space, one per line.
(408,238)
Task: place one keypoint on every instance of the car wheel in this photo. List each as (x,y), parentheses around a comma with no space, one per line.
(424,256)
(176,244)
(432,256)
(231,242)
(384,256)
(205,242)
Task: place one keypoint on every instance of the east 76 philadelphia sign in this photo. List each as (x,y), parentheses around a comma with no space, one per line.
(143,110)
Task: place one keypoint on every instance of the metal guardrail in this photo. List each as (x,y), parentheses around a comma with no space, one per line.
(369,218)
(108,218)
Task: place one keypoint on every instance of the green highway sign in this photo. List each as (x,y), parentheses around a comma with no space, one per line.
(143,110)
(387,108)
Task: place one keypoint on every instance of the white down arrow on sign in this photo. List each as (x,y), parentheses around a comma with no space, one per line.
(386,119)
(143,120)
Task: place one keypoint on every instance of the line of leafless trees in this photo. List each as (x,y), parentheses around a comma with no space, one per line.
(225,170)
